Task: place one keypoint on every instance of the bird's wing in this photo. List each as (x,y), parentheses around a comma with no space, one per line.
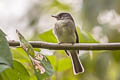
(77,38)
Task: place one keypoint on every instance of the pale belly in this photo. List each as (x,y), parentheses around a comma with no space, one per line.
(65,34)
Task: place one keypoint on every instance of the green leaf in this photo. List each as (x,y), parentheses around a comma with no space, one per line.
(47,66)
(18,72)
(2,34)
(52,61)
(25,44)
(37,49)
(48,36)
(5,54)
(20,56)
(85,37)
(63,64)
(42,66)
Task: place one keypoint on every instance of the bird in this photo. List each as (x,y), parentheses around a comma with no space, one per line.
(65,32)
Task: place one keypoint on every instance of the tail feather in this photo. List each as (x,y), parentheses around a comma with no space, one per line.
(77,66)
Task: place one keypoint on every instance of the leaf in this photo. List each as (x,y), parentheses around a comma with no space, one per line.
(37,49)
(25,44)
(85,37)
(5,54)
(48,36)
(20,56)
(18,72)
(47,68)
(52,61)
(63,64)
(42,66)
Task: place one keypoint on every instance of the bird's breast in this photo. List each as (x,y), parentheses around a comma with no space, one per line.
(64,31)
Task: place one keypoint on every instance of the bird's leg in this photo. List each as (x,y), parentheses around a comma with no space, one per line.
(72,43)
(65,43)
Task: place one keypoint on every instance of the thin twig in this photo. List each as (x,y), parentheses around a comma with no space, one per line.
(77,46)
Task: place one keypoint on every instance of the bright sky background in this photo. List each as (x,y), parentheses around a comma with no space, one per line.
(12,11)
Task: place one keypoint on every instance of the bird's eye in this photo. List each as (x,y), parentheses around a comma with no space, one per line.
(62,17)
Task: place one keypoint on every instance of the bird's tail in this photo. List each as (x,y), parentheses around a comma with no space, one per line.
(77,66)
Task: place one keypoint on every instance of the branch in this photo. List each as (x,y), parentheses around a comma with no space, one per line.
(77,46)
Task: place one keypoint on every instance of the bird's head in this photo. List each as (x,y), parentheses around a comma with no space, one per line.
(63,16)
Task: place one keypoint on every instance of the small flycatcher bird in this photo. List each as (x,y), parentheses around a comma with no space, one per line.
(65,32)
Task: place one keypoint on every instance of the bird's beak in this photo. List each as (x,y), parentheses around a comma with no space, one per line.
(55,16)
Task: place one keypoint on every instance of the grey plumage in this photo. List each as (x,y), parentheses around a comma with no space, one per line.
(65,32)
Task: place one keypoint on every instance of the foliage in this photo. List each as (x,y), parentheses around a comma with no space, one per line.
(42,66)
(100,65)
(27,66)
(18,71)
(5,54)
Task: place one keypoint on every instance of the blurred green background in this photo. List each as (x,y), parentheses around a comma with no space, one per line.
(97,21)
